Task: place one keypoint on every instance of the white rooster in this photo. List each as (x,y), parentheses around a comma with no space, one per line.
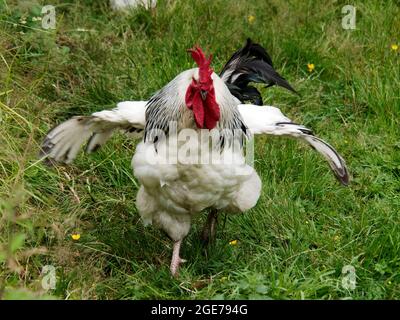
(172,192)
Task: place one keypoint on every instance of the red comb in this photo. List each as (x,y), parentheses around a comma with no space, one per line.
(203,63)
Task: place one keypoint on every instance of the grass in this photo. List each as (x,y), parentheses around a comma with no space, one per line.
(305,228)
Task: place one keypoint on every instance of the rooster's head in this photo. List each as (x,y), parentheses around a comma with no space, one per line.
(200,95)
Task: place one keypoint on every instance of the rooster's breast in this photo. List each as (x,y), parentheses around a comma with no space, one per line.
(189,188)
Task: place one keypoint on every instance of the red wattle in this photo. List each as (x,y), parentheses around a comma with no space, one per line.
(212,112)
(198,110)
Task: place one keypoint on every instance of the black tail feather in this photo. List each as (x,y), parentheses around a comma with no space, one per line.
(251,63)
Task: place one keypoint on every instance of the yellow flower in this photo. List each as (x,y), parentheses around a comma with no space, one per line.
(394,47)
(310,67)
(224,279)
(251,19)
(75,236)
(233,242)
(336,238)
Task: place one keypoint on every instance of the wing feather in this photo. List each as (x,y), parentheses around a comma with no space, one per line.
(271,121)
(63,143)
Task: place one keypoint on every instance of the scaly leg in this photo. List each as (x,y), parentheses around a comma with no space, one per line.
(209,229)
(176,259)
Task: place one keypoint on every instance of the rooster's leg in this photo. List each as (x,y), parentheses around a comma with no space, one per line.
(176,259)
(209,229)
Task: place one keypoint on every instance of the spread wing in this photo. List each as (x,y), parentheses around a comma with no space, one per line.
(63,143)
(271,121)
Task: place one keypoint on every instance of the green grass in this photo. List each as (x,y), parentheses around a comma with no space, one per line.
(306,226)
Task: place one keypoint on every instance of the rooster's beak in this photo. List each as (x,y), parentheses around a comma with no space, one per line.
(203,94)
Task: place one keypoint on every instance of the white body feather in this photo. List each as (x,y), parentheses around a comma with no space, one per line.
(172,193)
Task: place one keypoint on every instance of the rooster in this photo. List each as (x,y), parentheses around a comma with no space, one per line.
(173,192)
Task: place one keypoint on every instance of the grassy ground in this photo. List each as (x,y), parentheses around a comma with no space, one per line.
(305,228)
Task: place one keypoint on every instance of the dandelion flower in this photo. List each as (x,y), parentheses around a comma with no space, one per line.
(251,19)
(310,67)
(233,242)
(394,47)
(75,236)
